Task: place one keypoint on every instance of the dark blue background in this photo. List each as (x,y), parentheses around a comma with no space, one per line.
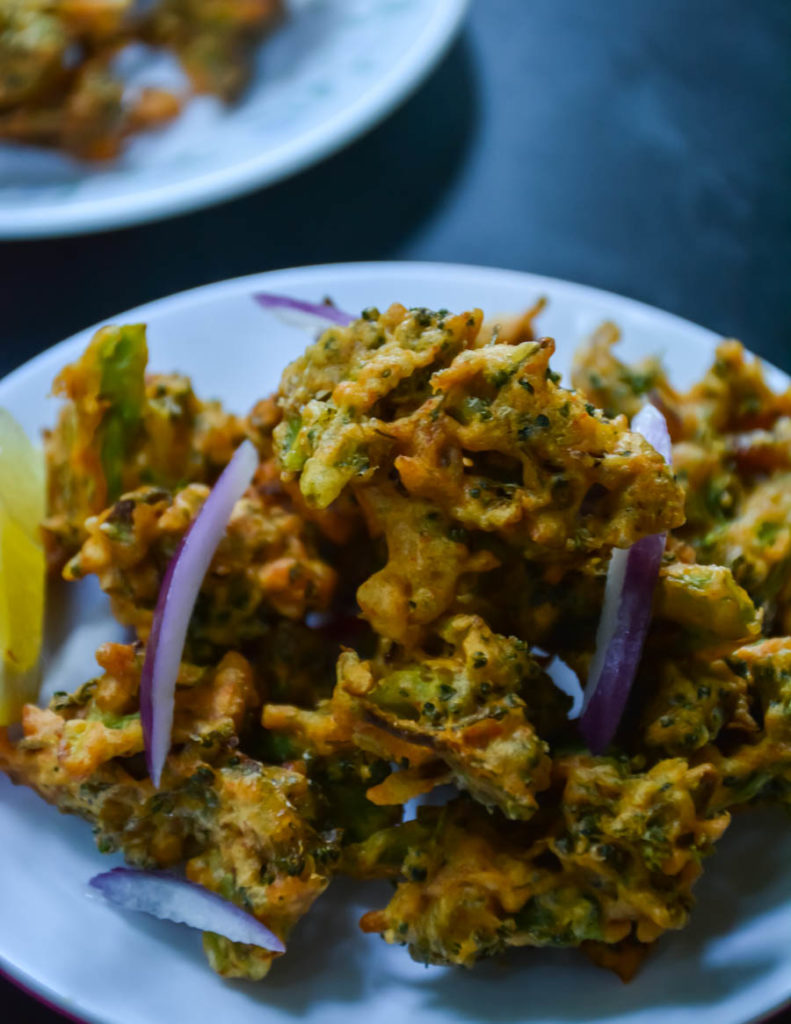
(639,146)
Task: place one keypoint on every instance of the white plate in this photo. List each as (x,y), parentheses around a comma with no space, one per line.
(732,964)
(335,69)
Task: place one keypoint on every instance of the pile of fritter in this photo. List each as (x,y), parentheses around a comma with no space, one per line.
(430,524)
(59,84)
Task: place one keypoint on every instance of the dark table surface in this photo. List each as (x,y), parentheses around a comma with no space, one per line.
(640,147)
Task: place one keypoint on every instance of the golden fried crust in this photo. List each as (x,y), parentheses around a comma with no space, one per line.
(449,450)
(343,776)
(58,83)
(732,455)
(32,47)
(733,396)
(267,563)
(316,729)
(511,451)
(510,328)
(615,387)
(85,109)
(757,542)
(469,709)
(214,39)
(692,701)
(760,766)
(707,603)
(263,855)
(625,958)
(485,434)
(619,861)
(78,734)
(338,398)
(243,828)
(427,559)
(119,430)
(468,497)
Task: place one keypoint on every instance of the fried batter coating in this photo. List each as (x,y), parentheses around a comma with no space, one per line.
(476,702)
(119,430)
(742,519)
(244,828)
(80,106)
(511,451)
(510,328)
(267,563)
(731,398)
(693,700)
(486,434)
(756,543)
(449,449)
(760,766)
(619,860)
(612,386)
(342,775)
(340,396)
(214,39)
(83,744)
(263,855)
(58,83)
(428,557)
(707,603)
(732,454)
(32,49)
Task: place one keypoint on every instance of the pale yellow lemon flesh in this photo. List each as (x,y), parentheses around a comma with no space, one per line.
(22,568)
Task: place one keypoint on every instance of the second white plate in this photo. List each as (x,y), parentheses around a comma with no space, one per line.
(332,71)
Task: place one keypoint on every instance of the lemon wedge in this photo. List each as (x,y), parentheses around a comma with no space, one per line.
(22,568)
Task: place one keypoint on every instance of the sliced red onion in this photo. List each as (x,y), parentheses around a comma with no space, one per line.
(653,426)
(175,899)
(306,315)
(177,596)
(626,613)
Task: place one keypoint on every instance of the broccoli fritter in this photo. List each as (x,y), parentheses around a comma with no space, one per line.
(487,435)
(242,828)
(214,39)
(732,454)
(756,543)
(612,386)
(618,861)
(692,701)
(33,45)
(428,559)
(706,604)
(59,81)
(266,565)
(119,430)
(477,703)
(758,768)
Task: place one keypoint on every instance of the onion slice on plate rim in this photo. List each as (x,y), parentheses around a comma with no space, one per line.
(306,315)
(177,596)
(169,898)
(626,613)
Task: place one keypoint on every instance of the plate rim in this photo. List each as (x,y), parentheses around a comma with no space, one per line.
(561,288)
(374,105)
(435,268)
